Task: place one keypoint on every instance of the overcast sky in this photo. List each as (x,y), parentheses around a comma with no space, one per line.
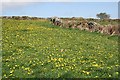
(60,9)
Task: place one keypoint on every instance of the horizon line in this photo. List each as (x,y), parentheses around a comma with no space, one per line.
(54,16)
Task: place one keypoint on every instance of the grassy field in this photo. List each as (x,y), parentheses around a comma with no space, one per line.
(37,49)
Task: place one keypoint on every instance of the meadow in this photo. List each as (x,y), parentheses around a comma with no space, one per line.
(37,49)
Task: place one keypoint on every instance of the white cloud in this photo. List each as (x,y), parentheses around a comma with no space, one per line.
(11,4)
(20,3)
(37,0)
(60,0)
(18,0)
(14,4)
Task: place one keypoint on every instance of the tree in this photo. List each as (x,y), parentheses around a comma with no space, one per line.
(103,16)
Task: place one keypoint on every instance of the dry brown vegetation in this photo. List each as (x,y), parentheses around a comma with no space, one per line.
(107,26)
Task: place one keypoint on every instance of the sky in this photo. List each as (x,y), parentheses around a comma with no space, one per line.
(59,9)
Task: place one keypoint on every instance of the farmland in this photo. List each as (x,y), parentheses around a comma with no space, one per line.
(37,49)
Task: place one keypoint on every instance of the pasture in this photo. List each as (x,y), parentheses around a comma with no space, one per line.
(37,49)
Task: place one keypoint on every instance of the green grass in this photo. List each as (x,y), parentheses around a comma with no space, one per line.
(37,49)
(105,22)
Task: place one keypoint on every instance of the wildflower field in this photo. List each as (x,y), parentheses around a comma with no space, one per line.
(37,49)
